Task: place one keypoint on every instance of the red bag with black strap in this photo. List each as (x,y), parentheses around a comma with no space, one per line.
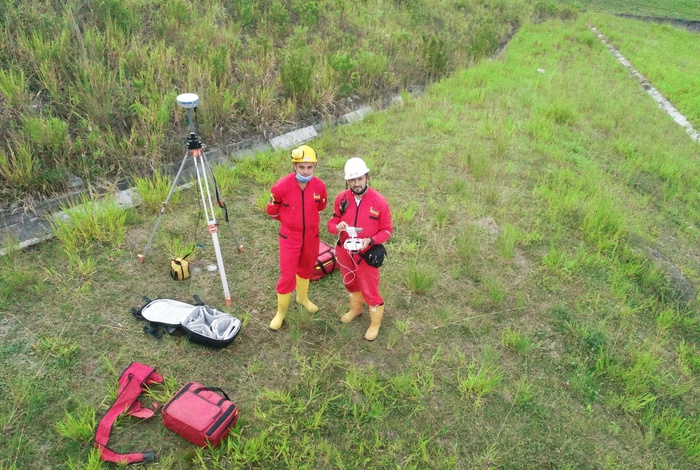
(202,415)
(325,263)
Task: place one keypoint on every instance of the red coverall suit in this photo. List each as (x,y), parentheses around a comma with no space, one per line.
(298,213)
(373,216)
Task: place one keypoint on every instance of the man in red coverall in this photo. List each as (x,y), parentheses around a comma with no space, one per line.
(296,201)
(360,207)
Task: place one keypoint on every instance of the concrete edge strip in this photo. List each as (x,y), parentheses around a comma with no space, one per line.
(129,198)
(293,139)
(664,104)
(27,243)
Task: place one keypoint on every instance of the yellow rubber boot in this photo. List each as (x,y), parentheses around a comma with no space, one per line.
(356,302)
(303,295)
(282,306)
(375,314)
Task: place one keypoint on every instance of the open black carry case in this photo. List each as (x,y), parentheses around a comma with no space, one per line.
(199,322)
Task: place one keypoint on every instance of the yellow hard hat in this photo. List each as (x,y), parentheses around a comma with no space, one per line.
(303,154)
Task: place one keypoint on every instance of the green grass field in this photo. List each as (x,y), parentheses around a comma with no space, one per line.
(541,308)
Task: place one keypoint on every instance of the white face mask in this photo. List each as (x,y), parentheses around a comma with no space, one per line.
(303,179)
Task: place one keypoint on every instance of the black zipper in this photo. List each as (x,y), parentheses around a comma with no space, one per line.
(223,418)
(303,220)
(357,213)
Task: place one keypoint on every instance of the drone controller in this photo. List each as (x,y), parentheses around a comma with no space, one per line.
(353,244)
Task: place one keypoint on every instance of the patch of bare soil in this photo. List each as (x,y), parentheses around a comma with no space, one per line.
(491,227)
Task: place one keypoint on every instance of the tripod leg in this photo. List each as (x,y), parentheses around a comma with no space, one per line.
(220,201)
(203,183)
(213,229)
(162,211)
(239,246)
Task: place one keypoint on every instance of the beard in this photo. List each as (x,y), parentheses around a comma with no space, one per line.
(359,190)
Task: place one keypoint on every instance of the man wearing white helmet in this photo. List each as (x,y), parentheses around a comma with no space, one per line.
(365,210)
(296,201)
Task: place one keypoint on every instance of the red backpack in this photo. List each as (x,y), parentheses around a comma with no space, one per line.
(325,263)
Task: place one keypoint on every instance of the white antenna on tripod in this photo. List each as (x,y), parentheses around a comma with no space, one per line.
(190,101)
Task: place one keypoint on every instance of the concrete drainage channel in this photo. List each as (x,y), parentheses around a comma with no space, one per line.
(34,229)
(664,104)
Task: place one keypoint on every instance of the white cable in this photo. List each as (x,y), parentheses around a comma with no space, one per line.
(350,271)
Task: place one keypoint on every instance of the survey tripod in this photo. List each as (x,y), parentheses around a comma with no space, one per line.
(195,150)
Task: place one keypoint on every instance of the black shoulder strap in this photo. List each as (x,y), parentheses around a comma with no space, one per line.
(152,328)
(343,204)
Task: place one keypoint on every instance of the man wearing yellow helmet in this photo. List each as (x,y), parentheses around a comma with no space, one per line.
(296,201)
(361,213)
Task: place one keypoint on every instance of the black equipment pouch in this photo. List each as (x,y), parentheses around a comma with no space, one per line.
(375,255)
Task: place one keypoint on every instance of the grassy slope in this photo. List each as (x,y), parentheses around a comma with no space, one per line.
(516,192)
(667,56)
(91,90)
(677,9)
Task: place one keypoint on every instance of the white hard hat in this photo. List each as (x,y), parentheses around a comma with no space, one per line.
(354,168)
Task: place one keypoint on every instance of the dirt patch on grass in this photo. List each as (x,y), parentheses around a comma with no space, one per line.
(490,226)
